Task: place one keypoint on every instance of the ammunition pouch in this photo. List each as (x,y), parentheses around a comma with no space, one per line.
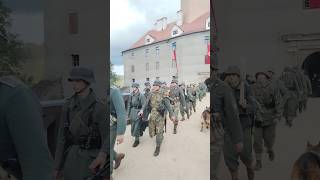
(89,142)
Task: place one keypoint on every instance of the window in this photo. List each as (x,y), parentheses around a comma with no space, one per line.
(206,39)
(147,66)
(157,78)
(175,32)
(146,52)
(157,65)
(147,79)
(157,50)
(148,40)
(75,60)
(132,54)
(73,23)
(132,68)
(311,4)
(133,80)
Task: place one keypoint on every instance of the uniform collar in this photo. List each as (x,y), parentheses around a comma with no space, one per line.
(85,102)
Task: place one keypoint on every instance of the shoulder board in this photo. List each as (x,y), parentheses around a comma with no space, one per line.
(10,81)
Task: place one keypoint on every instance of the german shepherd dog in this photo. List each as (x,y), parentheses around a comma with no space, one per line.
(205,119)
(307,166)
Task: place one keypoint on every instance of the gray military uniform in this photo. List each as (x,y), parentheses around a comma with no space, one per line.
(22,134)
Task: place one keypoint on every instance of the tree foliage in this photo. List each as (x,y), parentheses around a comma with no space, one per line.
(12,53)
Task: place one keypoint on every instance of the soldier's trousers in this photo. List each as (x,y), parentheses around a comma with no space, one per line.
(176,109)
(231,157)
(291,107)
(264,135)
(194,104)
(216,149)
(156,127)
(183,111)
(136,127)
(113,154)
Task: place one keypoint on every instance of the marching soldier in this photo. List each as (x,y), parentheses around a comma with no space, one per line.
(246,107)
(177,98)
(189,95)
(225,120)
(135,103)
(280,86)
(186,110)
(147,92)
(82,140)
(270,110)
(303,86)
(23,139)
(117,126)
(194,95)
(291,106)
(158,103)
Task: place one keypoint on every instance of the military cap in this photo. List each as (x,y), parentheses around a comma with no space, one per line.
(233,70)
(82,73)
(147,83)
(174,81)
(262,72)
(157,83)
(135,85)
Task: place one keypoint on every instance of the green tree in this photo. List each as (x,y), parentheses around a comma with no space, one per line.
(114,78)
(12,53)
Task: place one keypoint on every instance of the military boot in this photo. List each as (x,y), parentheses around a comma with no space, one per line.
(136,142)
(188,116)
(271,155)
(258,165)
(175,129)
(157,151)
(118,160)
(234,174)
(250,171)
(182,119)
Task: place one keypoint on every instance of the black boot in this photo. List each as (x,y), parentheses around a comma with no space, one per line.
(188,116)
(175,129)
(271,155)
(182,119)
(234,175)
(136,143)
(258,165)
(157,151)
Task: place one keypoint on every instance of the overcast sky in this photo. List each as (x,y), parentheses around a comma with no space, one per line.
(131,19)
(27,19)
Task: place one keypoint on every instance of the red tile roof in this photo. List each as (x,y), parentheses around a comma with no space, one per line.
(196,26)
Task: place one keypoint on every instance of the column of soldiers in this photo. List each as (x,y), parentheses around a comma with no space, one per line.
(246,109)
(150,108)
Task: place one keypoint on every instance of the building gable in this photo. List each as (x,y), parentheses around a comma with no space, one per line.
(176,31)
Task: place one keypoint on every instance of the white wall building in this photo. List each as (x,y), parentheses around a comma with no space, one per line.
(75,34)
(151,56)
(268,33)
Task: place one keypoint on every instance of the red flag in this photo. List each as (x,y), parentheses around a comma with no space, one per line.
(207,57)
(174,56)
(314,4)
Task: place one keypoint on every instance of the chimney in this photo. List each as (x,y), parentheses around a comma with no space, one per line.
(180,18)
(164,23)
(158,25)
